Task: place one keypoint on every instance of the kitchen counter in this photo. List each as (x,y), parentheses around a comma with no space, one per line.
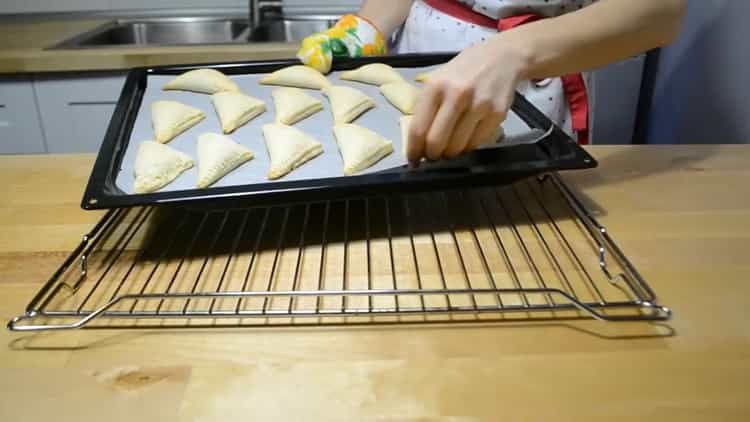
(23,50)
(679,212)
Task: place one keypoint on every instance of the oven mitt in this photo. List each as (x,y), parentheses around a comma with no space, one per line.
(235,109)
(352,36)
(347,103)
(293,105)
(171,118)
(288,148)
(373,74)
(218,155)
(204,81)
(296,76)
(402,95)
(157,165)
(360,147)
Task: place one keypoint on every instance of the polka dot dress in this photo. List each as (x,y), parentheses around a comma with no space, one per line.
(427,30)
(498,9)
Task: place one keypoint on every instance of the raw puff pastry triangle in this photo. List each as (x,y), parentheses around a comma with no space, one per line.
(171,118)
(402,95)
(235,109)
(218,155)
(204,81)
(424,77)
(296,76)
(373,74)
(157,165)
(288,148)
(347,103)
(405,123)
(293,105)
(360,147)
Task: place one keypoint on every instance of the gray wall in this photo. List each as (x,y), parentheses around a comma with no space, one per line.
(702,90)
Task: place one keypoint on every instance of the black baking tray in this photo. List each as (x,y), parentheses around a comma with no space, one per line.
(494,166)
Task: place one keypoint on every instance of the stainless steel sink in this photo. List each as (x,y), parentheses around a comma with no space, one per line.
(198,31)
(161,31)
(291,29)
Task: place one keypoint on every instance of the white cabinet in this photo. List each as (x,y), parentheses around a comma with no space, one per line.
(20,129)
(75,111)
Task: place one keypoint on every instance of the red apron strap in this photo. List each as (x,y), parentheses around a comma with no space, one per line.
(573,85)
(578,100)
(514,21)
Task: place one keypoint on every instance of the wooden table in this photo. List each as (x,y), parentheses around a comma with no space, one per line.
(680,213)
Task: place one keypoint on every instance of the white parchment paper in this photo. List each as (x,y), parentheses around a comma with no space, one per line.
(383,119)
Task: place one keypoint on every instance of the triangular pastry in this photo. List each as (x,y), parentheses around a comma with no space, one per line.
(296,76)
(288,148)
(347,103)
(373,74)
(424,77)
(405,123)
(293,105)
(235,109)
(360,147)
(402,95)
(204,81)
(157,165)
(218,155)
(171,118)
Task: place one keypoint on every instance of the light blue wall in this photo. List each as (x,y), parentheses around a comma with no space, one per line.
(702,90)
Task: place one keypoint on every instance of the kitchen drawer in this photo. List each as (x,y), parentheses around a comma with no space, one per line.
(75,111)
(20,128)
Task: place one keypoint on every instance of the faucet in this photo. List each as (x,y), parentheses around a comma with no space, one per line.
(256,8)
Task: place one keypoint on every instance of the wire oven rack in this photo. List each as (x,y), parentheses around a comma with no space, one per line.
(526,251)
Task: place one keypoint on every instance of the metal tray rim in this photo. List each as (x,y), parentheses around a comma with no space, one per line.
(481,167)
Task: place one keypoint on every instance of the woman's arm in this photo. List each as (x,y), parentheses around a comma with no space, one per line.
(465,101)
(602,33)
(386,15)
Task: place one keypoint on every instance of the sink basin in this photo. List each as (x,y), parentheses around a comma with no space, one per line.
(163,31)
(197,31)
(291,29)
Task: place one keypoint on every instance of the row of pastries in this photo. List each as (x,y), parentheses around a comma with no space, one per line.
(157,164)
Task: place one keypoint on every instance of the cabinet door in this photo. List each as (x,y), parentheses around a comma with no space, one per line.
(75,111)
(20,130)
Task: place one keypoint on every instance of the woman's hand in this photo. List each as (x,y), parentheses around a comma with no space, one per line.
(464,102)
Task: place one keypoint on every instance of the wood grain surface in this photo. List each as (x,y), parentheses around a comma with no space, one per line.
(679,213)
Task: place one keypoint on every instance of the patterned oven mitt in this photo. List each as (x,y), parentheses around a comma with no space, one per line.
(352,36)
